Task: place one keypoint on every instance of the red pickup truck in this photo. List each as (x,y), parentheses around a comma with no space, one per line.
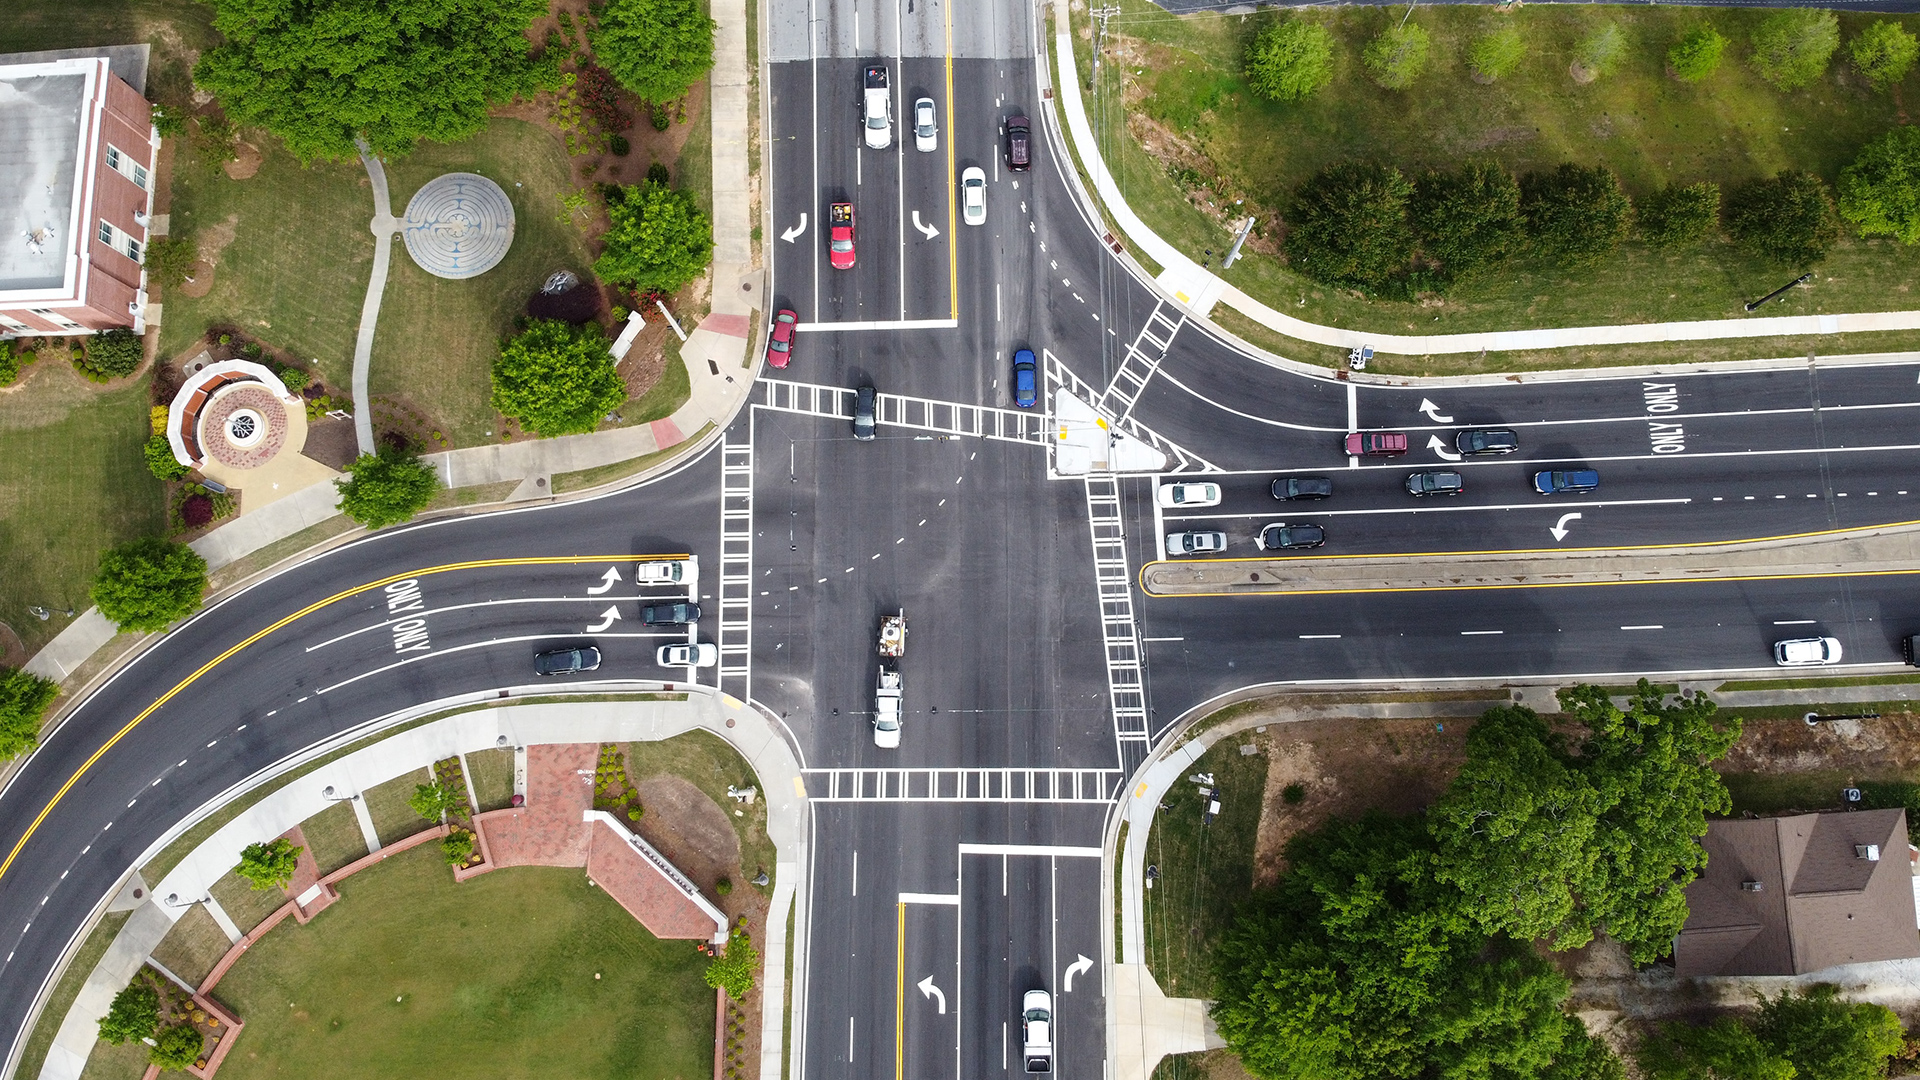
(1376,443)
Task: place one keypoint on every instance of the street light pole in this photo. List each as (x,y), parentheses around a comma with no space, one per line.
(1782,290)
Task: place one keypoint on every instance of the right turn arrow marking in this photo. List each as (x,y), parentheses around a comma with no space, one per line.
(607,619)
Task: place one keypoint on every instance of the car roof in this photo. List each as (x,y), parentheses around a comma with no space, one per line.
(1023,356)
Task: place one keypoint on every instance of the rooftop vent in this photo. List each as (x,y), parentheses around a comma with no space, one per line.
(1869,852)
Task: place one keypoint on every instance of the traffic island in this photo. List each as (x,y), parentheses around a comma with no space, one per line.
(1889,549)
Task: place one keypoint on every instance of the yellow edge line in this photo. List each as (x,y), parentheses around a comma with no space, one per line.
(899,1001)
(302,613)
(1539,584)
(953,240)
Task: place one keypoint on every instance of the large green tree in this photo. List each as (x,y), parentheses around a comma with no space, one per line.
(24,698)
(1290,59)
(147,584)
(1884,52)
(1680,214)
(1830,1039)
(1349,226)
(658,239)
(1696,56)
(1495,55)
(1467,218)
(317,73)
(1880,191)
(557,379)
(1725,1049)
(656,48)
(1791,46)
(270,865)
(1788,219)
(1575,213)
(386,488)
(1398,56)
(134,1014)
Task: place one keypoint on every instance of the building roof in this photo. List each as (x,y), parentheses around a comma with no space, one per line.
(40,129)
(1784,896)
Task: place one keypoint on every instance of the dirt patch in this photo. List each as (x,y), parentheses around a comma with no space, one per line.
(209,241)
(1581,73)
(13,652)
(1883,748)
(332,443)
(690,829)
(1502,136)
(245,161)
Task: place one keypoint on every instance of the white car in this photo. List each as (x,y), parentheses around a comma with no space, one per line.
(666,572)
(1036,1030)
(925,135)
(705,654)
(1807,652)
(973,196)
(1195,543)
(876,109)
(1184,495)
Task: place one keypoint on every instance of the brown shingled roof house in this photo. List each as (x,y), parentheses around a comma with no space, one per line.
(1784,896)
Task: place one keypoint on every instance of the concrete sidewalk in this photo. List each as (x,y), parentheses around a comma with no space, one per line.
(1194,286)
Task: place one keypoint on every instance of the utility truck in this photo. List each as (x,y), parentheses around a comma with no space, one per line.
(893,634)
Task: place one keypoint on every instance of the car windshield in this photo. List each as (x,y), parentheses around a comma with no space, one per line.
(877,120)
(842,245)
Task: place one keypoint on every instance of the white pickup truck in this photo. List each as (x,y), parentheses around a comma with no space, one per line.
(1036,1027)
(886,709)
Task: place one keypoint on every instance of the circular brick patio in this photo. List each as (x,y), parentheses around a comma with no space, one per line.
(459,225)
(243,426)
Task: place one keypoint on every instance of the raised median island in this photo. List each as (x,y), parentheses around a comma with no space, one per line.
(1885,549)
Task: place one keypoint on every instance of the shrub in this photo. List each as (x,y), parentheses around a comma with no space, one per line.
(134,1014)
(1496,55)
(1601,51)
(657,173)
(1467,218)
(557,379)
(734,971)
(457,847)
(1575,214)
(1293,794)
(157,420)
(169,258)
(1884,52)
(619,146)
(9,362)
(270,865)
(147,584)
(386,487)
(1290,59)
(1398,56)
(658,239)
(656,48)
(724,886)
(1791,46)
(295,379)
(660,116)
(176,1047)
(1348,226)
(24,698)
(1677,215)
(1788,219)
(113,353)
(435,801)
(196,510)
(1880,191)
(170,122)
(160,460)
(1697,54)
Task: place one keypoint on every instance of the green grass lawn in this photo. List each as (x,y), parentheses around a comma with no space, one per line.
(411,975)
(393,819)
(1184,76)
(333,837)
(707,762)
(1206,871)
(492,777)
(79,485)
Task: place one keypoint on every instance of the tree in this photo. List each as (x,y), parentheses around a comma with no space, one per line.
(656,48)
(24,698)
(658,239)
(321,72)
(1791,46)
(435,801)
(1830,1039)
(1697,54)
(114,353)
(1723,1050)
(1515,831)
(134,1014)
(1788,219)
(1468,218)
(1290,59)
(1651,765)
(169,258)
(457,847)
(160,460)
(146,585)
(1496,55)
(176,1047)
(1677,215)
(1575,214)
(1884,52)
(1601,51)
(1348,225)
(386,488)
(1398,56)
(270,865)
(735,970)
(1880,191)
(557,379)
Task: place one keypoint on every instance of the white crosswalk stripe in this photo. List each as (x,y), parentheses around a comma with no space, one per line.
(735,595)
(1125,686)
(964,785)
(1143,359)
(1058,373)
(898,410)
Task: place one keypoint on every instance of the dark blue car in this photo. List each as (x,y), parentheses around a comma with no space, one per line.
(1026,379)
(1559,482)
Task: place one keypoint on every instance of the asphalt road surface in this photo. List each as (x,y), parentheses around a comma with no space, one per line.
(927,916)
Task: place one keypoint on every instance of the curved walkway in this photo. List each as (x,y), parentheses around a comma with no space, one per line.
(384,226)
(1194,286)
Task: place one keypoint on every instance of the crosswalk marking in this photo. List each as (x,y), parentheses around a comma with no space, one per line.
(736,565)
(1140,363)
(1058,373)
(899,410)
(1125,685)
(964,785)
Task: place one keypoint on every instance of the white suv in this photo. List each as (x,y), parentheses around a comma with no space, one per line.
(876,110)
(1807,652)
(664,572)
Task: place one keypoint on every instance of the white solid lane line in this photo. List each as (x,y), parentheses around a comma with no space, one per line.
(1794,622)
(1542,505)
(1480,633)
(474,645)
(405,616)
(1648,626)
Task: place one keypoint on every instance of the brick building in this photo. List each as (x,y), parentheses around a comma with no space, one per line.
(77,150)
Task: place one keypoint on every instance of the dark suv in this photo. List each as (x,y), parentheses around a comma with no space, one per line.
(566,661)
(1019,144)
(1486,442)
(1436,482)
(863,402)
(670,614)
(1289,488)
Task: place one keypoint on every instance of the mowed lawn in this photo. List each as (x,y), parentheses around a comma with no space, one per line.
(413,976)
(1184,75)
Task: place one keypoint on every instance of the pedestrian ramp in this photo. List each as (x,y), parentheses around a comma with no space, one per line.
(899,410)
(1181,459)
(964,785)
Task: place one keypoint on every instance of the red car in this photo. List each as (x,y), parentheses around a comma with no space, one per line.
(780,341)
(840,236)
(1376,443)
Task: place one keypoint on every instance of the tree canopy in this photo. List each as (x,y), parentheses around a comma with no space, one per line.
(1788,219)
(1601,51)
(1696,56)
(134,1014)
(655,48)
(113,353)
(658,239)
(1495,55)
(435,801)
(1813,1035)
(319,72)
(1880,191)
(146,585)
(1290,59)
(1791,46)
(1398,56)
(1348,225)
(24,698)
(557,379)
(270,865)
(1680,214)
(386,488)
(1884,52)
(1574,213)
(1467,218)
(735,970)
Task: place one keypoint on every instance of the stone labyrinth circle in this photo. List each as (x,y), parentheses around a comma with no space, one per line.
(459,225)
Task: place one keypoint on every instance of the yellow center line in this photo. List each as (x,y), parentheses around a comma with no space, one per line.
(900,1001)
(302,613)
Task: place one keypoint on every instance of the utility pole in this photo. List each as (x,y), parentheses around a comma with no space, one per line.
(1100,16)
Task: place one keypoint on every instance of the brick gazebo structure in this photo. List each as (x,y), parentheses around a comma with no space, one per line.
(237,424)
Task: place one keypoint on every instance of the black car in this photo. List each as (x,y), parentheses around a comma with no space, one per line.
(1486,442)
(863,402)
(1019,144)
(1289,488)
(1280,536)
(1436,482)
(566,661)
(670,614)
